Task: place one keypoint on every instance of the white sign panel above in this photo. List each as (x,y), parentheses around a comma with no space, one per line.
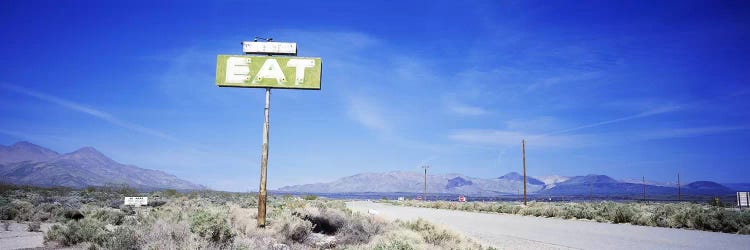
(270,48)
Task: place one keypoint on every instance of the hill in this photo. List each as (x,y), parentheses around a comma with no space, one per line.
(27,164)
(508,184)
(25,151)
(401,181)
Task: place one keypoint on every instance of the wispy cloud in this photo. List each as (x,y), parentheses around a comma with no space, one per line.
(548,82)
(453,105)
(690,132)
(366,112)
(647,113)
(466,110)
(107,117)
(371,114)
(513,138)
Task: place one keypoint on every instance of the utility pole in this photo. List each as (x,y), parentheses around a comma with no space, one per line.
(679,192)
(424,198)
(518,193)
(523,148)
(644,188)
(590,188)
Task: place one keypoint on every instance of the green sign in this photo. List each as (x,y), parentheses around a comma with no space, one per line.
(268,72)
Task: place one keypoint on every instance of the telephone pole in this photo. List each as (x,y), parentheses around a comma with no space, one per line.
(679,192)
(590,188)
(424,198)
(523,148)
(644,188)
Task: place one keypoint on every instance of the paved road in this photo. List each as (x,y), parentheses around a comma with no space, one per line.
(525,232)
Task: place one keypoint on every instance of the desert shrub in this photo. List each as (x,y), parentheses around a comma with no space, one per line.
(170,192)
(72,215)
(292,228)
(19,210)
(310,197)
(431,233)
(122,238)
(74,232)
(249,202)
(438,236)
(621,214)
(34,226)
(47,211)
(164,234)
(6,226)
(127,210)
(212,226)
(398,240)
(156,203)
(359,229)
(8,212)
(109,216)
(324,220)
(242,220)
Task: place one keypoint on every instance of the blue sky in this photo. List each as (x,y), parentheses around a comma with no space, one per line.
(625,89)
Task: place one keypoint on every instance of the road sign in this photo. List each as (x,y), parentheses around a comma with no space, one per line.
(136,201)
(462,198)
(743,199)
(276,48)
(268,72)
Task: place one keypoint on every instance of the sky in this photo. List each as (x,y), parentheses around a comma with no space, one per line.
(628,89)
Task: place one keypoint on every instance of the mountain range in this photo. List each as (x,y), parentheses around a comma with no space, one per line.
(24,163)
(508,184)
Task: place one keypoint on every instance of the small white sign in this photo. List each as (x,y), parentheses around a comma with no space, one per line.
(274,48)
(401,198)
(136,201)
(743,199)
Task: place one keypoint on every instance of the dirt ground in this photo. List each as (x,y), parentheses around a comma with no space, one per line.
(18,237)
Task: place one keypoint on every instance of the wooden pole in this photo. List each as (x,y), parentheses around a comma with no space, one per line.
(590,188)
(523,148)
(424,198)
(644,188)
(264,164)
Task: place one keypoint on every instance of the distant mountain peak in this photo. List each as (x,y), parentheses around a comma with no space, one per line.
(87,155)
(25,151)
(83,167)
(88,150)
(515,176)
(457,182)
(24,144)
(704,185)
(589,179)
(511,176)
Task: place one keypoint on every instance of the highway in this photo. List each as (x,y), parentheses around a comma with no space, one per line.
(506,231)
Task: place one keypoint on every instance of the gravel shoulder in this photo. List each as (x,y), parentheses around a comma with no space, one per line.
(18,237)
(524,232)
